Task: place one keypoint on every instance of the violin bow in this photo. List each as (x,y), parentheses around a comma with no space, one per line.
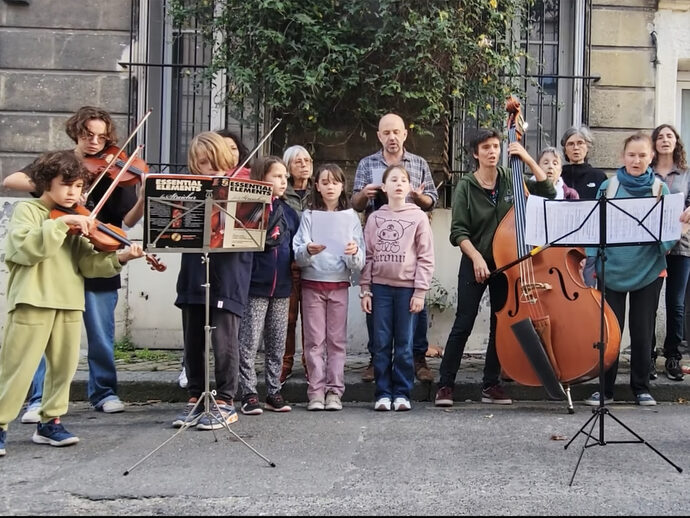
(258,146)
(113,185)
(107,167)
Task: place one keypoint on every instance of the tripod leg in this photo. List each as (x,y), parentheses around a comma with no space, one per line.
(595,414)
(584,446)
(642,441)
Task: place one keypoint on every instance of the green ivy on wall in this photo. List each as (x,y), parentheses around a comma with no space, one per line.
(321,62)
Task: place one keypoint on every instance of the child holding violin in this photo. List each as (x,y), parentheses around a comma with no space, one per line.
(92,130)
(230,273)
(44,318)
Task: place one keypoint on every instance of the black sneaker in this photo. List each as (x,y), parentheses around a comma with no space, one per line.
(673,369)
(53,433)
(276,403)
(250,405)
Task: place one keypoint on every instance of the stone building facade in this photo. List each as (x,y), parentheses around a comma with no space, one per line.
(57,56)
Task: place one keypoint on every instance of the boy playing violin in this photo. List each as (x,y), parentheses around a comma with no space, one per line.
(92,130)
(44,316)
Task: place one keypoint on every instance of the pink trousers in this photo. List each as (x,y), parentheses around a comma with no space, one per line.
(324,317)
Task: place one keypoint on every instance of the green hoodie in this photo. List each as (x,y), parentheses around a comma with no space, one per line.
(475,217)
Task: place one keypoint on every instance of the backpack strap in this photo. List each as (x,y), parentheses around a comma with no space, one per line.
(612,187)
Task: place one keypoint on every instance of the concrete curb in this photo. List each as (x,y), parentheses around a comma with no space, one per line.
(142,386)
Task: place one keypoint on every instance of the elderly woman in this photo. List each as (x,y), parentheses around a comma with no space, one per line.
(578,174)
(300,169)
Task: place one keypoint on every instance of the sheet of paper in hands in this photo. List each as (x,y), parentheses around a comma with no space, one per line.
(331,229)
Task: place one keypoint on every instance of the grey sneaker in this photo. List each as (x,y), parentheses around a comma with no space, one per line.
(645,399)
(220,415)
(186,416)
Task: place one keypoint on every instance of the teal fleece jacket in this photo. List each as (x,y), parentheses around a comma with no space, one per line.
(476,218)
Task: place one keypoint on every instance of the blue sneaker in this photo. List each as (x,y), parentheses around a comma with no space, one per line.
(595,398)
(645,399)
(186,416)
(3,438)
(53,433)
(220,415)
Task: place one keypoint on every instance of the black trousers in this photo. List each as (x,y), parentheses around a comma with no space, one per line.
(643,304)
(469,297)
(225,342)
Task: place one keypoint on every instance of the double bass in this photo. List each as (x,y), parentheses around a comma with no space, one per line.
(548,331)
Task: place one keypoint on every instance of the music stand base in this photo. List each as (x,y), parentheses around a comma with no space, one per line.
(207,397)
(598,416)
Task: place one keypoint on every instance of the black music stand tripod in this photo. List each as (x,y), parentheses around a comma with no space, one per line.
(207,398)
(602,410)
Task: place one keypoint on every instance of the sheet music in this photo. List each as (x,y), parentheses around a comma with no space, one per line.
(331,229)
(557,221)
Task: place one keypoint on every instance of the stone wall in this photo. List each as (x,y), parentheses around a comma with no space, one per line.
(56,56)
(622,53)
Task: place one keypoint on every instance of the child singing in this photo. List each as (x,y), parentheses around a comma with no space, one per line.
(325,282)
(396,276)
(44,316)
(269,295)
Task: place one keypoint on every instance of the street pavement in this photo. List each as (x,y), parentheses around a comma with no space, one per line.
(472,459)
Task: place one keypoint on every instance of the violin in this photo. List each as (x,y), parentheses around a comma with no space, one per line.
(133,173)
(545,332)
(106,237)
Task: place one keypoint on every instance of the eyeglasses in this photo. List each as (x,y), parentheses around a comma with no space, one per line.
(102,139)
(577,143)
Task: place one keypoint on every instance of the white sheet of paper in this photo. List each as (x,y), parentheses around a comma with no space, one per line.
(554,219)
(332,229)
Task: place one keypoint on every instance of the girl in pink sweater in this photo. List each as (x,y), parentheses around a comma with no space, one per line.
(396,276)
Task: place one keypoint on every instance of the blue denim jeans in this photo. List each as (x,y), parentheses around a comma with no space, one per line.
(678,268)
(393,327)
(420,343)
(37,383)
(99,319)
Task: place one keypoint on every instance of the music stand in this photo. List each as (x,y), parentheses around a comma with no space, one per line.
(643,220)
(602,410)
(193,218)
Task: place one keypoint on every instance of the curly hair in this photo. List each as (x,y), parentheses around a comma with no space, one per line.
(53,164)
(75,126)
(679,157)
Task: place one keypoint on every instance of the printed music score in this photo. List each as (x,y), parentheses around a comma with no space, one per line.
(628,220)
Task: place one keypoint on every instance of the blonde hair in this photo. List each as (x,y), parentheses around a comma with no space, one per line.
(212,146)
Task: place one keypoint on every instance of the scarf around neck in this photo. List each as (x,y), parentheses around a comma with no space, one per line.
(636,185)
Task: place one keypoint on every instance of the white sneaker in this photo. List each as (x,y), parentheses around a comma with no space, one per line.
(315,404)
(383,404)
(182,379)
(31,415)
(401,404)
(333,401)
(113,406)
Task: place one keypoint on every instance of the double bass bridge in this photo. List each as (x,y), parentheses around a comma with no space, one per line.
(530,291)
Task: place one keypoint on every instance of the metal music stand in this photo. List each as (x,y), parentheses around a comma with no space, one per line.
(204,209)
(645,225)
(602,410)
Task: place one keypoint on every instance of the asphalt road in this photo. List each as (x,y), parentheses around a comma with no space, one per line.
(473,459)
